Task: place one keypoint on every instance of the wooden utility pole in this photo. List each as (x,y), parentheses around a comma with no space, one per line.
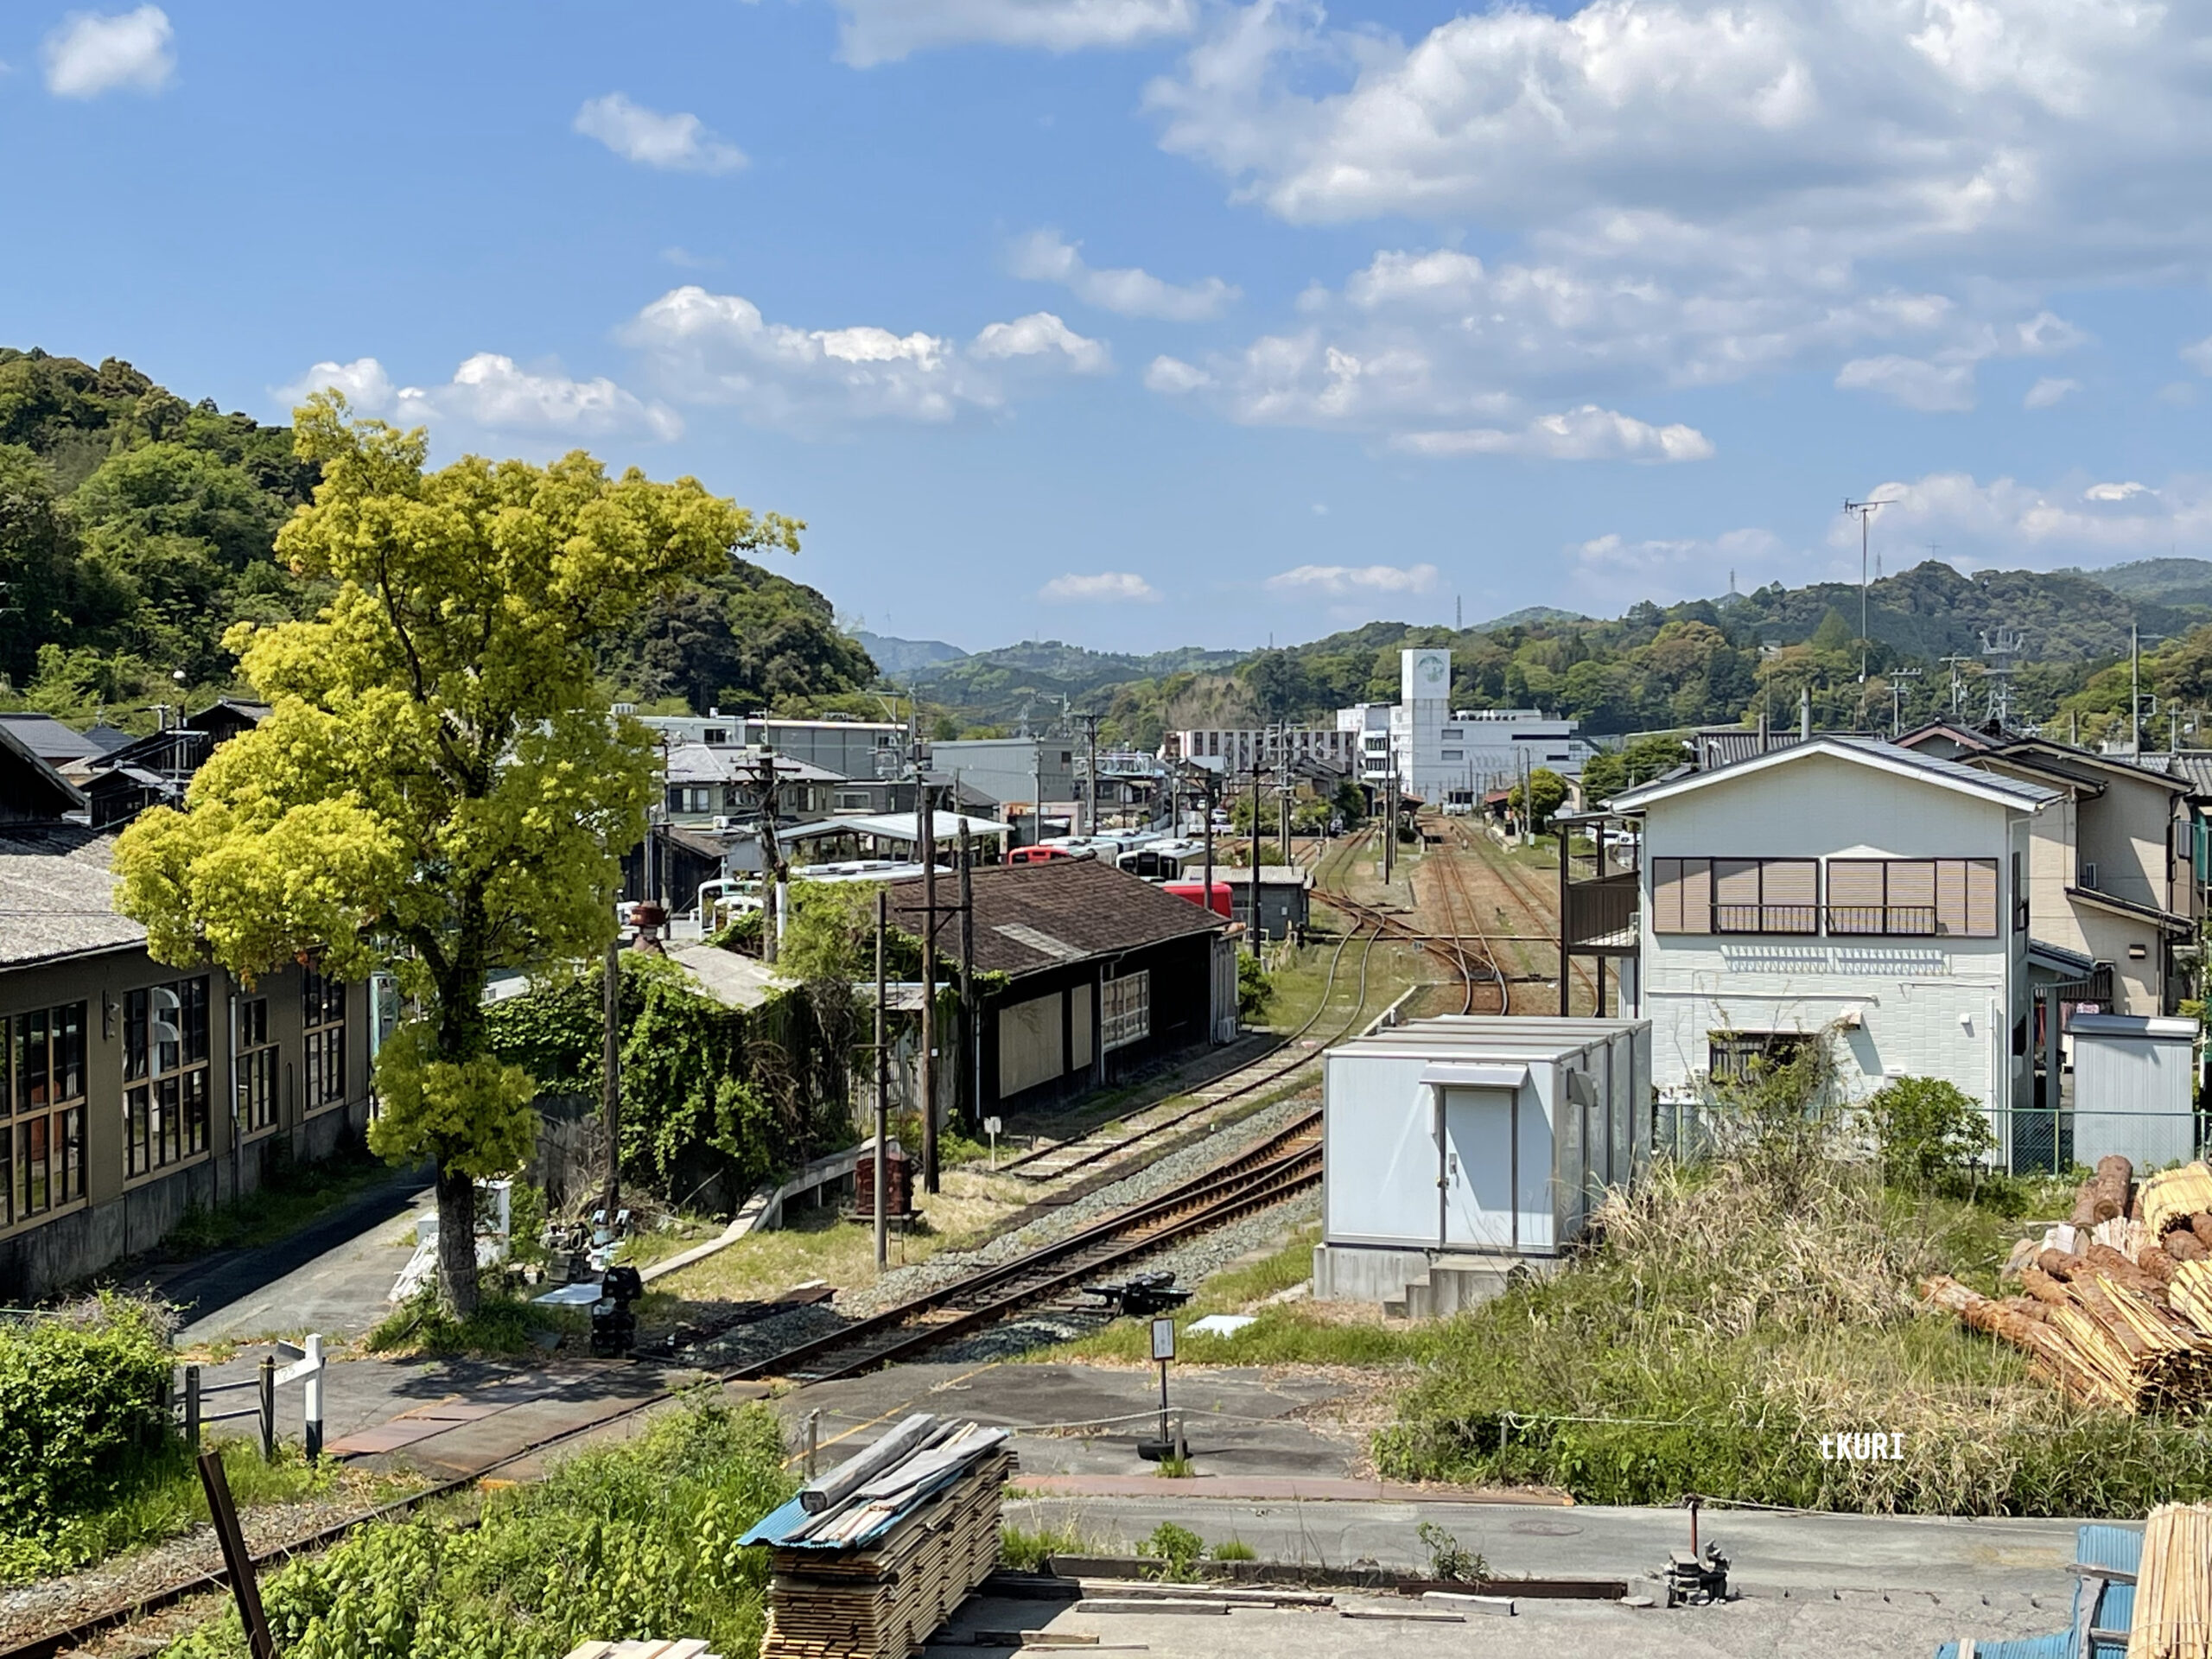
(1253,919)
(772,862)
(970,1070)
(882,1089)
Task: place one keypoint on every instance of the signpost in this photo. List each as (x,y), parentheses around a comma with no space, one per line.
(1163,1353)
(991,1126)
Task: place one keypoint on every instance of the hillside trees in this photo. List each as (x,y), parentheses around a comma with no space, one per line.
(439,790)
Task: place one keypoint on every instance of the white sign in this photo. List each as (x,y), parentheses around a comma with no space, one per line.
(991,1126)
(1163,1339)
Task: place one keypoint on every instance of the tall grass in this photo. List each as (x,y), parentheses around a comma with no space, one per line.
(1735,1314)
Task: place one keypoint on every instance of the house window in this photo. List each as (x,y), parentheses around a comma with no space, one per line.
(715,736)
(323,1006)
(42,1113)
(1742,1056)
(1126,1007)
(1913,897)
(256,1067)
(164,1074)
(2019,896)
(1735,895)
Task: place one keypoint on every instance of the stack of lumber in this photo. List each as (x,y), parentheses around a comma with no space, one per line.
(2173,1585)
(2116,1308)
(869,1561)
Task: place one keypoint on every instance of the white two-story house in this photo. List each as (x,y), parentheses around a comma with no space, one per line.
(1840,884)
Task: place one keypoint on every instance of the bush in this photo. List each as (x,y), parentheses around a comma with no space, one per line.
(83,1412)
(1024,1551)
(1178,1550)
(1234,1550)
(1448,1560)
(1926,1131)
(633,1542)
(1253,988)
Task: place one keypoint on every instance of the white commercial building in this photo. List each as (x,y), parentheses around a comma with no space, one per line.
(1440,755)
(1234,748)
(1842,885)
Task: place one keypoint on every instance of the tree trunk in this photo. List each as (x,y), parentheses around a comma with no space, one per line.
(456,1243)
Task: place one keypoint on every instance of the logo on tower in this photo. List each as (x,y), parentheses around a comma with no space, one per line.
(1425,676)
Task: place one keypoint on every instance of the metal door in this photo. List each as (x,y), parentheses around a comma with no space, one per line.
(1477,1175)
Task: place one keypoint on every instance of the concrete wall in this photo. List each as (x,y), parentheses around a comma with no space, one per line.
(1943,1008)
(122,1215)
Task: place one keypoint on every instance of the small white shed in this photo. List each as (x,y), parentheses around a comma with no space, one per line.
(1478,1136)
(2134,1088)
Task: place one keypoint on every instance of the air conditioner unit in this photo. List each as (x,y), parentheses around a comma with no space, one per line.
(725,822)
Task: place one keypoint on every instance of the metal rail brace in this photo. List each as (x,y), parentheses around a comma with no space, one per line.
(306,1368)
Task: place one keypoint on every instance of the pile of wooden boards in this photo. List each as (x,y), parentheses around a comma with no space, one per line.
(2173,1585)
(869,1561)
(2117,1303)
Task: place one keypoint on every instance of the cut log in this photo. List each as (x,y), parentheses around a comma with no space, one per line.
(2201,1225)
(2110,1186)
(2114,1266)
(2044,1288)
(2155,1261)
(2184,1245)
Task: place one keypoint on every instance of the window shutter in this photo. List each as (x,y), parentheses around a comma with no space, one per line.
(1951,896)
(1912,896)
(1855,895)
(1735,880)
(1789,895)
(1981,898)
(1697,895)
(1666,895)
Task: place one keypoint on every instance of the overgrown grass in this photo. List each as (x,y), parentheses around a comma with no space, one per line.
(637,1542)
(166,1499)
(1025,1551)
(501,1325)
(297,1195)
(1720,1329)
(1284,1333)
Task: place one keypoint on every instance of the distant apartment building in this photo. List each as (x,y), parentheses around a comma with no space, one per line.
(1235,747)
(842,747)
(1014,771)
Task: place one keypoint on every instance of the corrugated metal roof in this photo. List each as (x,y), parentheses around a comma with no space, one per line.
(2029,796)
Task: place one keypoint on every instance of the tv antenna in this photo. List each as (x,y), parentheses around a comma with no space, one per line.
(1958,681)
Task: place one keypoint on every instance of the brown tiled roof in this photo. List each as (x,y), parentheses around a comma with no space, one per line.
(1035,916)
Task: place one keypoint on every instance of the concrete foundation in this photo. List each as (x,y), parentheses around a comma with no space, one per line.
(1415,1284)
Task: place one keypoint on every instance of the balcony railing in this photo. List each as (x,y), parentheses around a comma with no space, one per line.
(1891,921)
(1766,918)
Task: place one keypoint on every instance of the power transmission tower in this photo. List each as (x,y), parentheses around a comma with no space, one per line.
(1999,647)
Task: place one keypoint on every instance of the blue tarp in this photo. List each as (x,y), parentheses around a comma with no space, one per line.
(2110,1607)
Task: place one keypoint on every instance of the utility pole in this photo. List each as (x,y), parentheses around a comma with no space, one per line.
(771,863)
(1864,511)
(882,1087)
(1206,788)
(2134,691)
(1090,723)
(1389,822)
(925,841)
(610,1065)
(1897,678)
(970,1071)
(1253,918)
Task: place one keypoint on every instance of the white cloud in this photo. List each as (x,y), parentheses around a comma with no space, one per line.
(2048,392)
(1607,567)
(702,347)
(1172,376)
(493,394)
(2008,522)
(679,142)
(1347,580)
(882,31)
(90,53)
(1107,586)
(1911,382)
(1045,257)
(2199,355)
(1040,334)
(1586,434)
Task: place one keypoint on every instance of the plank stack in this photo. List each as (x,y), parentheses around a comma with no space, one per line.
(2117,1303)
(870,1560)
(2173,1585)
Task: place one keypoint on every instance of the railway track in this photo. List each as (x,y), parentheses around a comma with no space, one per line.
(1285,1163)
(1062,1158)
(1529,902)
(1480,969)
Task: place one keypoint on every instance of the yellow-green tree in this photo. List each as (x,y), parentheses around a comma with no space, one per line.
(440,789)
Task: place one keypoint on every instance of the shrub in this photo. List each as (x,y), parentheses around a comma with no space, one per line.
(1027,1552)
(82,1409)
(1234,1550)
(1926,1131)
(1448,1560)
(635,1542)
(1253,988)
(1178,1550)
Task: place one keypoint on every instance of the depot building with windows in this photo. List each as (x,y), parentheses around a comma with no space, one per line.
(131,1091)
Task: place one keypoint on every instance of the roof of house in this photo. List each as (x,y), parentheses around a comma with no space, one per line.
(1874,753)
(57,894)
(2113,905)
(49,739)
(2191,766)
(700,763)
(2080,765)
(1031,916)
(31,786)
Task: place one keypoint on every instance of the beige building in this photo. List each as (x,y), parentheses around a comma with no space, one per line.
(2110,872)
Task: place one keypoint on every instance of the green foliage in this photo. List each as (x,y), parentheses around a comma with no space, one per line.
(1448,1560)
(498,1324)
(471,1116)
(1023,1551)
(81,1412)
(1234,1550)
(1178,1550)
(1546,793)
(1926,1131)
(631,1542)
(1608,772)
(1350,803)
(1253,988)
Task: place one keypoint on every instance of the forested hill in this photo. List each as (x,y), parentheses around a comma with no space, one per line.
(137,527)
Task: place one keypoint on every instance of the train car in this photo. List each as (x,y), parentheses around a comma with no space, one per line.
(1196,893)
(1045,853)
(1167,861)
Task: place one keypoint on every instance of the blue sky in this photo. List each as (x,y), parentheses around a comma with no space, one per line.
(1143,322)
